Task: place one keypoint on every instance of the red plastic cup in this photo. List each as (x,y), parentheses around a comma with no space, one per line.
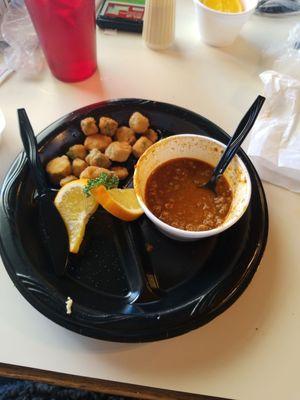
(67,33)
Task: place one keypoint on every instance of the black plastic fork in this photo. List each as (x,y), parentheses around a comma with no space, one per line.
(235,142)
(52,227)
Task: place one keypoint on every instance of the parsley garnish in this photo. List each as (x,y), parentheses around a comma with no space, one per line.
(109,181)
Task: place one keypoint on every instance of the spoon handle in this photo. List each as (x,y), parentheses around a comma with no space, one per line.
(30,146)
(238,137)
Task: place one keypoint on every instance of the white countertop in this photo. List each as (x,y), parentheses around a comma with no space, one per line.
(251,351)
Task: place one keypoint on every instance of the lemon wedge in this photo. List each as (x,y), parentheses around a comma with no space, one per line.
(122,203)
(230,6)
(75,209)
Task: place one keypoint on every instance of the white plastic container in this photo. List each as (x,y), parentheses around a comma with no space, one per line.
(159,24)
(218,28)
(202,148)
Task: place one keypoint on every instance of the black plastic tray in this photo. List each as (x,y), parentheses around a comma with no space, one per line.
(121,290)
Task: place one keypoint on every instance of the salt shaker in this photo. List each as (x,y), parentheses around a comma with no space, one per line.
(159,24)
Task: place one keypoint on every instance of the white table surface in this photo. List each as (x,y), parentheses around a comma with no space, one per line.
(251,351)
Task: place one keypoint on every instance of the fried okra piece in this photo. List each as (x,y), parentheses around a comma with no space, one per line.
(97,159)
(108,126)
(138,122)
(78,166)
(100,142)
(120,172)
(77,151)
(58,168)
(118,151)
(125,134)
(67,179)
(151,135)
(140,146)
(89,126)
(93,172)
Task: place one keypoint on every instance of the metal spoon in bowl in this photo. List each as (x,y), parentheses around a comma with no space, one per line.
(53,230)
(235,142)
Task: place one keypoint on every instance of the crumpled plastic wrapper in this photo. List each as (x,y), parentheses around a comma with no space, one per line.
(278,8)
(23,53)
(274,142)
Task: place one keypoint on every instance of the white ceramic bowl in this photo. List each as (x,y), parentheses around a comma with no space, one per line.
(218,28)
(204,149)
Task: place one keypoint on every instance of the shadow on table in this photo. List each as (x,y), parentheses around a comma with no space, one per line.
(244,53)
(94,84)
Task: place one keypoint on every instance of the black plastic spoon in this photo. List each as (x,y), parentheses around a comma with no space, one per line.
(53,230)
(235,142)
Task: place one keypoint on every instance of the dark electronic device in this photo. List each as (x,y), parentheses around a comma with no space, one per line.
(121,15)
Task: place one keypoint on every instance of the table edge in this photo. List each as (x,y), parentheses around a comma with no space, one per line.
(97,385)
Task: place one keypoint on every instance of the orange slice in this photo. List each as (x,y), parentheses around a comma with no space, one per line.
(122,203)
(75,209)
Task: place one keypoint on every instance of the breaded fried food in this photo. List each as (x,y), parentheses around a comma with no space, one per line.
(78,166)
(100,142)
(118,151)
(120,172)
(140,146)
(89,126)
(125,134)
(138,122)
(94,172)
(97,159)
(77,151)
(108,126)
(58,168)
(67,179)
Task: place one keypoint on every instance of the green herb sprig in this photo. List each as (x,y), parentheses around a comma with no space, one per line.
(109,181)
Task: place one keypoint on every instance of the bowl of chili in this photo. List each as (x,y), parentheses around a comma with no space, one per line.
(168,179)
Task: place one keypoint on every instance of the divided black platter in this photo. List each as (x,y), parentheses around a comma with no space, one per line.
(129,283)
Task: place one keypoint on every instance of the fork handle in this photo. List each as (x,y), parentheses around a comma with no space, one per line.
(31,150)
(238,137)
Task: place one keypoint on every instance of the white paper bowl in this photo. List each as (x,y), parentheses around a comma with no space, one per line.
(218,28)
(204,149)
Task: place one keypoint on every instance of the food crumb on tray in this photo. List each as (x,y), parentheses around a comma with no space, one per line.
(149,247)
(69,304)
